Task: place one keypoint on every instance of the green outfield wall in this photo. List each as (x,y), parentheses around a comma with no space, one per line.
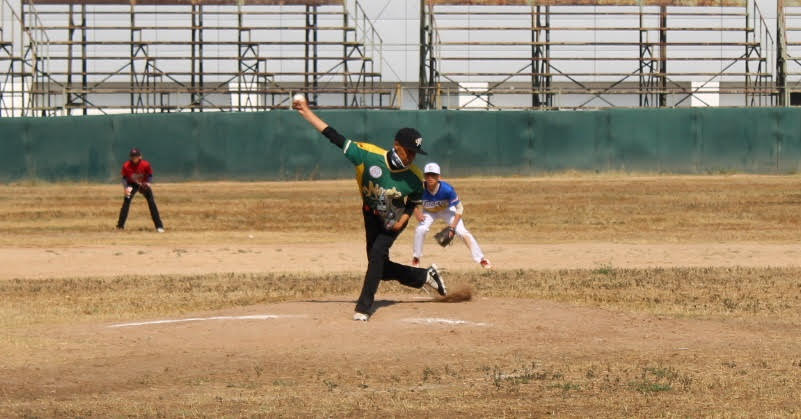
(280,145)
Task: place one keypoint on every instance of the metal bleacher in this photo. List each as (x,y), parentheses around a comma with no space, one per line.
(601,54)
(113,56)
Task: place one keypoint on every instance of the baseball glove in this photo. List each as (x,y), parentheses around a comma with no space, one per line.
(445,236)
(389,208)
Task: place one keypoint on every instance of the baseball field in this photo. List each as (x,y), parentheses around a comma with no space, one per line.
(611,295)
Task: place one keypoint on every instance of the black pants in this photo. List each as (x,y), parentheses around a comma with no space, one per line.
(379,267)
(151,203)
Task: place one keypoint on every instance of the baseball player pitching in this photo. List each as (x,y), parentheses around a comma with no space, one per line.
(136,177)
(391,188)
(440,202)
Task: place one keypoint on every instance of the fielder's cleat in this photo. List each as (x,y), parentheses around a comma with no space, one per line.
(434,280)
(160,229)
(486,264)
(416,262)
(360,317)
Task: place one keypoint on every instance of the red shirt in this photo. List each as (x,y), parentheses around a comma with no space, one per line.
(139,172)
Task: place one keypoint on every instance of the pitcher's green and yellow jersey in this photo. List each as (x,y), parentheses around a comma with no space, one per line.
(375,177)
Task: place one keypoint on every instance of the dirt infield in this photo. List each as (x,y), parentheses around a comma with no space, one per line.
(613,296)
(502,356)
(60,262)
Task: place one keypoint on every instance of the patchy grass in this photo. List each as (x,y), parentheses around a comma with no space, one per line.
(618,390)
(70,300)
(541,210)
(649,387)
(744,293)
(729,292)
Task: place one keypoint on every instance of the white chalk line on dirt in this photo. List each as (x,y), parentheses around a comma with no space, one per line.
(202,319)
(438,320)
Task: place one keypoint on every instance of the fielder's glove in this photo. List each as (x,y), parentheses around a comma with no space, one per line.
(445,236)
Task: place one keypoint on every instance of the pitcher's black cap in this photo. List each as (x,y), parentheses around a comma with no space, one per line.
(135,152)
(410,139)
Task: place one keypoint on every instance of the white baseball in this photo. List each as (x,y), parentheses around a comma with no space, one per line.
(298,98)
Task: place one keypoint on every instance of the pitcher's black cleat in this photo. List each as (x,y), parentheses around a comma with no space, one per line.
(434,280)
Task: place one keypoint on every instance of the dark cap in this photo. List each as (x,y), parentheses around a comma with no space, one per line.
(410,139)
(135,152)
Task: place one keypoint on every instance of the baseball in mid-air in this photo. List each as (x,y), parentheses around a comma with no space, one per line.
(298,98)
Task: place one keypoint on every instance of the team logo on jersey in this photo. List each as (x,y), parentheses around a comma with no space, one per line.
(436,206)
(376,171)
(375,191)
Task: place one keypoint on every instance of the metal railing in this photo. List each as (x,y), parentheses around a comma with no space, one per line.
(126,51)
(574,60)
(27,62)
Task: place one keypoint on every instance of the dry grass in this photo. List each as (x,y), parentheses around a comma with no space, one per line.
(554,209)
(75,214)
(27,302)
(496,388)
(742,293)
(745,293)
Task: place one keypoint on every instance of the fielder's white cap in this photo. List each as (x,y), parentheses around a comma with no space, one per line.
(431,168)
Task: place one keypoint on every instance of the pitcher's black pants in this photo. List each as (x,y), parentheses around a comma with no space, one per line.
(379,267)
(151,203)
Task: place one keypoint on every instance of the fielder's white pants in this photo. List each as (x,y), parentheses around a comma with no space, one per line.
(461,231)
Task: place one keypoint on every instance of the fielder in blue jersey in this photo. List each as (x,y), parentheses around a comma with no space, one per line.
(441,202)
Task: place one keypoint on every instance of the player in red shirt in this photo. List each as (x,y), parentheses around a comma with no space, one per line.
(136,177)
